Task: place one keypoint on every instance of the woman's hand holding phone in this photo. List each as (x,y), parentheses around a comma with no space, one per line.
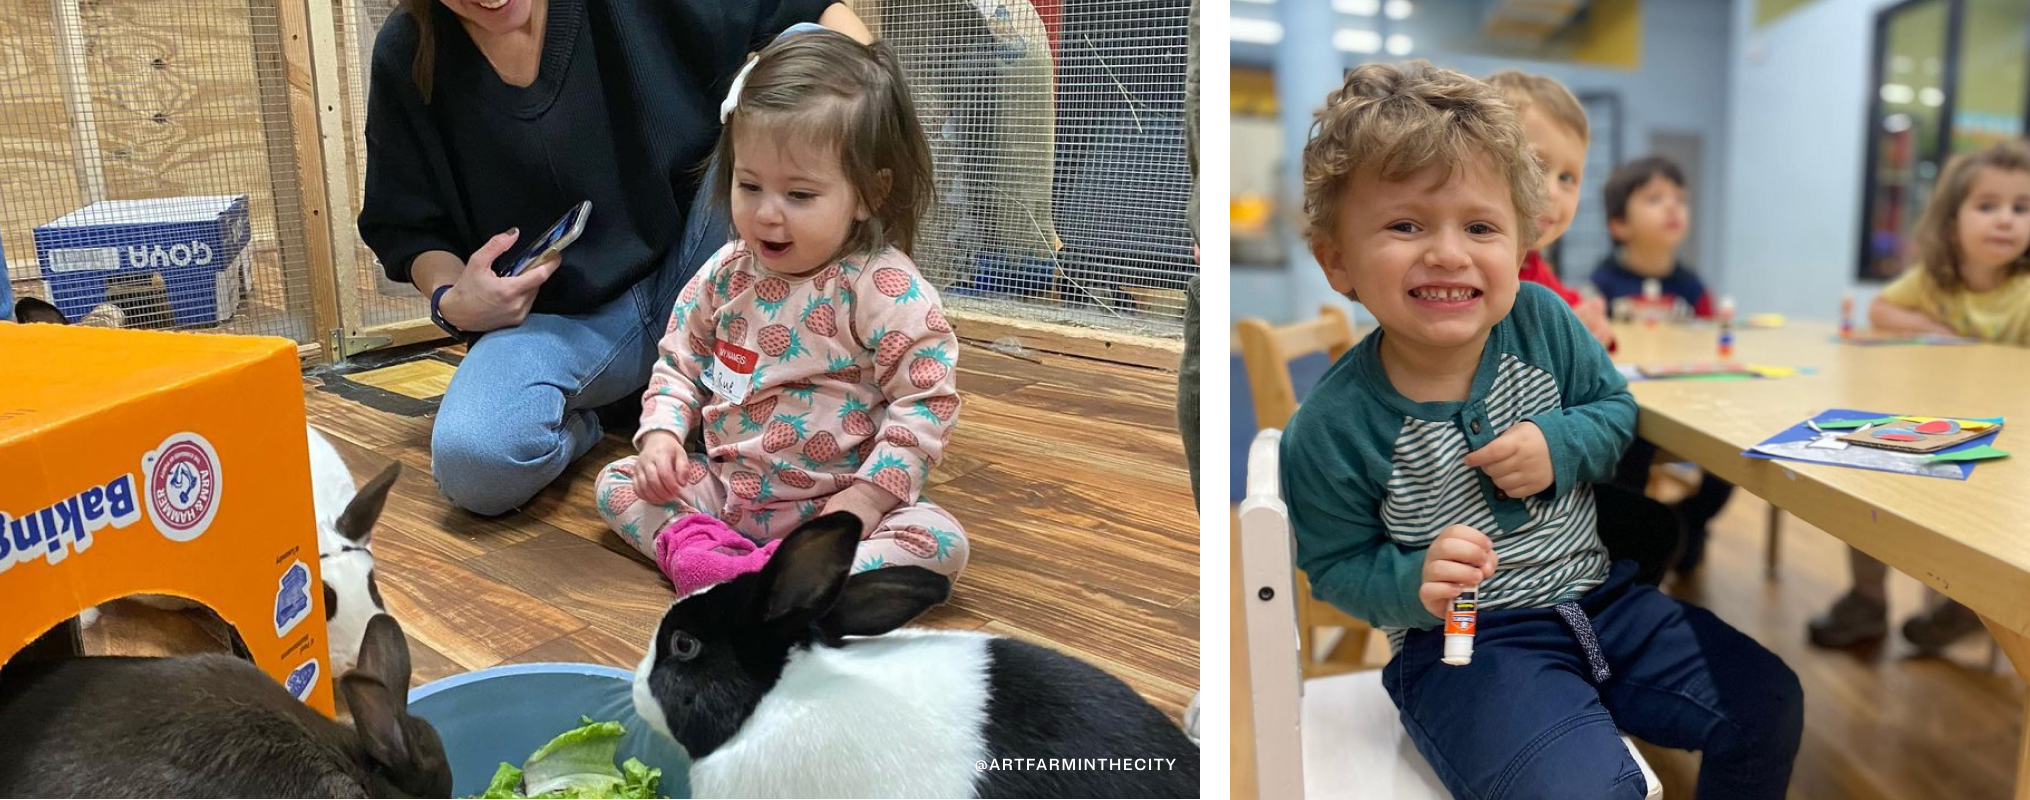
(482,301)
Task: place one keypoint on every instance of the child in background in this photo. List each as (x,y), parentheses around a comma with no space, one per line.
(1970,260)
(1971,277)
(1556,126)
(1648,217)
(1454,447)
(811,354)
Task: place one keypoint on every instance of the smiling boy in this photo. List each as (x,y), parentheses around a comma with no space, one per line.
(1455,447)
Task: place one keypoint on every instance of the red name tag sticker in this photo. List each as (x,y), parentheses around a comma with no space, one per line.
(732,372)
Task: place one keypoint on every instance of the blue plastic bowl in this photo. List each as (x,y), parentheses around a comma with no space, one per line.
(505,713)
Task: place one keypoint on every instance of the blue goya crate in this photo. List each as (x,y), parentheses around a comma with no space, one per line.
(196,244)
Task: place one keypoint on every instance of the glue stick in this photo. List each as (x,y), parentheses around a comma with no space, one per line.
(1459,627)
(1847,316)
(1726,327)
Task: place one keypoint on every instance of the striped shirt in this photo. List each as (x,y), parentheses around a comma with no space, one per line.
(1371,478)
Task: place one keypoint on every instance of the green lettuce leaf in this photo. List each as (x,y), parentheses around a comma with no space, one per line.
(641,780)
(578,764)
(506,785)
(578,761)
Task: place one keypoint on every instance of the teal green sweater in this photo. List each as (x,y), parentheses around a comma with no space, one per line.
(1371,477)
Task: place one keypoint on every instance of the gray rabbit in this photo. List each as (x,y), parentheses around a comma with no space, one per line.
(213,725)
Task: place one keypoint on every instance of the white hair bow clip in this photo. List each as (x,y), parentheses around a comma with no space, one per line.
(732,100)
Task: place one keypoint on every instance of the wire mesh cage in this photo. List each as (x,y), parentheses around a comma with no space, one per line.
(1057,129)
(169,165)
(378,300)
(148,177)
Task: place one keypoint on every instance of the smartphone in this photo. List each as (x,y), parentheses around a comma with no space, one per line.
(553,241)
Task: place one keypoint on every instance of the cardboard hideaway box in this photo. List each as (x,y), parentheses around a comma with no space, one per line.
(141,462)
(195,246)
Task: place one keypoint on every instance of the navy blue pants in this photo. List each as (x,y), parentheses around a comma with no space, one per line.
(1526,719)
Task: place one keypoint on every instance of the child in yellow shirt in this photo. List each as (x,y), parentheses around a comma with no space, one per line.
(1973,274)
(1972,278)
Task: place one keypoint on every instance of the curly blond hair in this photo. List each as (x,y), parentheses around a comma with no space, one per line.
(1398,120)
(1937,233)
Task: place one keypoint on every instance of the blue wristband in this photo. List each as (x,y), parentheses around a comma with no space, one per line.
(437,316)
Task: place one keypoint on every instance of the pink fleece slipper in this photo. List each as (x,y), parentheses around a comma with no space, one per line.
(698,551)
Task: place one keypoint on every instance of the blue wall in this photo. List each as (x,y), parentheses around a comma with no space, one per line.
(1798,105)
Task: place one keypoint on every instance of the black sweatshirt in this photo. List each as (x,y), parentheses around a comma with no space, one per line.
(623,112)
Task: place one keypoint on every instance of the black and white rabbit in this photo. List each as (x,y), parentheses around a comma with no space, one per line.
(795,682)
(345,526)
(213,725)
(345,529)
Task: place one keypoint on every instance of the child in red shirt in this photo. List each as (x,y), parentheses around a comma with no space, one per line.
(1556,127)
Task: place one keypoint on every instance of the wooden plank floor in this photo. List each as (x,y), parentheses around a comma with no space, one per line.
(1068,475)
(1879,724)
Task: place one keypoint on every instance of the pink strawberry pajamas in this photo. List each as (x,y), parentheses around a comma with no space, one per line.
(851,404)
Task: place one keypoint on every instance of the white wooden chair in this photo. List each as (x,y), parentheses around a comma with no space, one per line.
(1336,737)
(1267,351)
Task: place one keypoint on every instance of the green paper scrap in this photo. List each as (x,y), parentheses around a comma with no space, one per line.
(1981,453)
(1844,424)
(1848,424)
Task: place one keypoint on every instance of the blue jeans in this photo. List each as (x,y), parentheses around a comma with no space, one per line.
(1525,720)
(521,406)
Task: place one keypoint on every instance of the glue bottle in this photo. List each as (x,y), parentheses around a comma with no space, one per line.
(1652,297)
(1459,627)
(1726,327)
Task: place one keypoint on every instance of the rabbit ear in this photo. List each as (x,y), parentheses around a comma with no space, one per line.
(384,656)
(803,578)
(357,522)
(878,601)
(35,309)
(377,691)
(377,714)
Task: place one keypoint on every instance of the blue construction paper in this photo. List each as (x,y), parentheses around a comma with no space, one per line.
(1801,433)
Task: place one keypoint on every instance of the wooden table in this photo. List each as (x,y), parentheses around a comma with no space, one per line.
(1969,539)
